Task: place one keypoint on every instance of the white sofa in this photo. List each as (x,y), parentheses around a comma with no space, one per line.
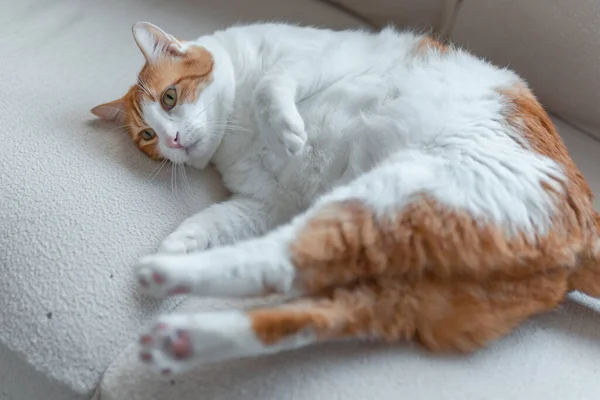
(78,204)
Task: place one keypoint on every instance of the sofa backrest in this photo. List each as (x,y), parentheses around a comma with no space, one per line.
(417,14)
(554,44)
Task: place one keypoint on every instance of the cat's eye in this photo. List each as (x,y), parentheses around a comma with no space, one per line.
(169,98)
(148,134)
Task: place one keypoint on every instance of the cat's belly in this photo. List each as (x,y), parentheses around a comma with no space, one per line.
(288,183)
(354,128)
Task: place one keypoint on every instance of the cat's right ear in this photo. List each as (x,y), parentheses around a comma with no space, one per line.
(155,43)
(111,111)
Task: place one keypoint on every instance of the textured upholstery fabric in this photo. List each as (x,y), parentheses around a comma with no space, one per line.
(552,43)
(553,356)
(78,204)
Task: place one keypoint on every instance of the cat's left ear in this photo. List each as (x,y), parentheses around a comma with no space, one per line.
(155,43)
(111,111)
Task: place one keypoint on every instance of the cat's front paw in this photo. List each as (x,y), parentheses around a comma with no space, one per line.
(161,276)
(284,132)
(185,240)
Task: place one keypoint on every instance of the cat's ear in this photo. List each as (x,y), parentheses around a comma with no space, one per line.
(111,111)
(155,43)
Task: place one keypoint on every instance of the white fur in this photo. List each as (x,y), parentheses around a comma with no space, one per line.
(246,269)
(328,116)
(316,109)
(214,336)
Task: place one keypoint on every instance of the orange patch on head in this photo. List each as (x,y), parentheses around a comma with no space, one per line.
(187,74)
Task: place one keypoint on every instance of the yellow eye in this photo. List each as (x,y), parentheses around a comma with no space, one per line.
(148,134)
(169,98)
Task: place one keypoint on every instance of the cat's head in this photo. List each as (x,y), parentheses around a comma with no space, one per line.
(173,110)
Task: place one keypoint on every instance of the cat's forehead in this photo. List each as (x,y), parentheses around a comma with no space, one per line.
(190,70)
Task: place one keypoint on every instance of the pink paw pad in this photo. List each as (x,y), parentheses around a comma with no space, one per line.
(162,327)
(180,347)
(158,278)
(146,357)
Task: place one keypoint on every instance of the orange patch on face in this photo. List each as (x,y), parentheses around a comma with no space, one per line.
(188,74)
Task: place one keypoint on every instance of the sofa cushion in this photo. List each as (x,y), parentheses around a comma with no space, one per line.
(78,202)
(552,43)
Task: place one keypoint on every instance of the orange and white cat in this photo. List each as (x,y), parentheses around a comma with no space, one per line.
(390,186)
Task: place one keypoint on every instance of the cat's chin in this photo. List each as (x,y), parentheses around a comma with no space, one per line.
(197,158)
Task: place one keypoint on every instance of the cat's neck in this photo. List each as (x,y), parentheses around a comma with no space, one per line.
(237,122)
(222,105)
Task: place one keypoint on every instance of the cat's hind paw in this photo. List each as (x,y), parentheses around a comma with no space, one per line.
(177,343)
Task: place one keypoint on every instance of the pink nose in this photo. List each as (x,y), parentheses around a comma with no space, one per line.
(174,142)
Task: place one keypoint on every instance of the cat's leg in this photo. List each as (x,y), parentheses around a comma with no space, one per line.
(384,221)
(279,122)
(222,223)
(176,343)
(380,258)
(457,314)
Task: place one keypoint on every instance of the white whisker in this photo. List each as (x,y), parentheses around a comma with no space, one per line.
(156,171)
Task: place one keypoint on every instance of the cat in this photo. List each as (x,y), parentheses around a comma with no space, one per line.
(390,186)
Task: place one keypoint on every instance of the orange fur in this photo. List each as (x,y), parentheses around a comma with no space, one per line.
(189,74)
(428,44)
(438,275)
(427,273)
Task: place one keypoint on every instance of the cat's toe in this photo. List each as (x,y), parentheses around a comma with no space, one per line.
(184,241)
(166,348)
(294,142)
